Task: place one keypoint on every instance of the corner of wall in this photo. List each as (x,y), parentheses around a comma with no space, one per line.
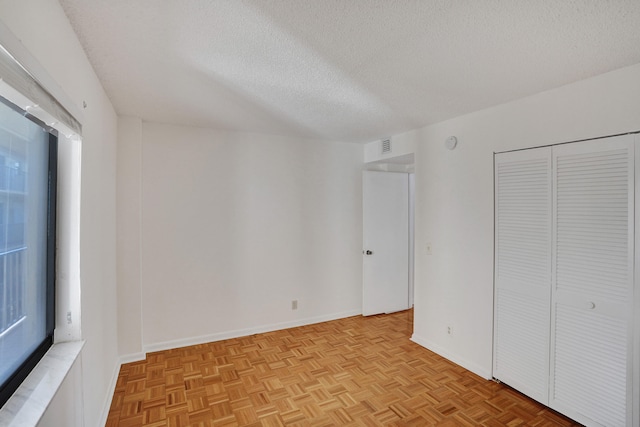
(471,366)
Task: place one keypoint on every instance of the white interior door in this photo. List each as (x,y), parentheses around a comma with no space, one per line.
(385,242)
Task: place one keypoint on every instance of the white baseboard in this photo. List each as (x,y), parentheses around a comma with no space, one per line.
(473,367)
(184,342)
(133,357)
(111,390)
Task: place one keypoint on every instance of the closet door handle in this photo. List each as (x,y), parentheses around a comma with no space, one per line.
(591,305)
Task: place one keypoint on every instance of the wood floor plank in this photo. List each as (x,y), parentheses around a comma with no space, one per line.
(350,372)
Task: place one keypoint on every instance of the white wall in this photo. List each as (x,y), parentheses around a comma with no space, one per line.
(47,34)
(247,223)
(235,226)
(66,408)
(454,201)
(129,186)
(401,145)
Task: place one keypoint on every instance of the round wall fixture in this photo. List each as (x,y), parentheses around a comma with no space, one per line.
(451,142)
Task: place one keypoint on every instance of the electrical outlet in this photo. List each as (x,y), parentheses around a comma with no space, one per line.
(68,318)
(429,249)
(294,304)
(449,330)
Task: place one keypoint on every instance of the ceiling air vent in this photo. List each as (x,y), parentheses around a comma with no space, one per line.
(386,145)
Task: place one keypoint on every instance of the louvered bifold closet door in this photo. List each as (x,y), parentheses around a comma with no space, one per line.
(523,270)
(592,281)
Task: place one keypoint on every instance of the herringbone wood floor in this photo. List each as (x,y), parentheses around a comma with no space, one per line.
(351,372)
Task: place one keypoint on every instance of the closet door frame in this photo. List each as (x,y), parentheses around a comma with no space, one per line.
(635,327)
(633,343)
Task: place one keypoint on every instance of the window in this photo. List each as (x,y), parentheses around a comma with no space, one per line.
(28,169)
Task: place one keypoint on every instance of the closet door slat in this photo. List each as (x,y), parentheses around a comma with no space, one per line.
(523,270)
(592,280)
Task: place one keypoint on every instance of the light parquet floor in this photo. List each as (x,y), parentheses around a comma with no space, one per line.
(351,372)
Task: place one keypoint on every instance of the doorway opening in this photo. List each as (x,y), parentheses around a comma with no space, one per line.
(388,235)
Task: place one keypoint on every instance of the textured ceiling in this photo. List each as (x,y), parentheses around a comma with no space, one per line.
(349,70)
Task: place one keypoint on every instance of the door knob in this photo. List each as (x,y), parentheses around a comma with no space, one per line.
(368,252)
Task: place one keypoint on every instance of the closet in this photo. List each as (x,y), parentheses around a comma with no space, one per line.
(566,300)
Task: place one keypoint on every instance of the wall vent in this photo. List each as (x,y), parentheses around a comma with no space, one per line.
(386,146)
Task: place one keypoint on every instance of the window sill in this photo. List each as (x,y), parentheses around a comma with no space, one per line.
(31,399)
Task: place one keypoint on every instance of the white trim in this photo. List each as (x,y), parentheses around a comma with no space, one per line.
(635,326)
(68,286)
(133,357)
(167,345)
(110,393)
(30,401)
(140,175)
(21,54)
(473,367)
(184,342)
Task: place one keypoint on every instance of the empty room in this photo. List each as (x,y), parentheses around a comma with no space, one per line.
(319,213)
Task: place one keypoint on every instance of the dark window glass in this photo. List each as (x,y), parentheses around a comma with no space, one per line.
(28,156)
